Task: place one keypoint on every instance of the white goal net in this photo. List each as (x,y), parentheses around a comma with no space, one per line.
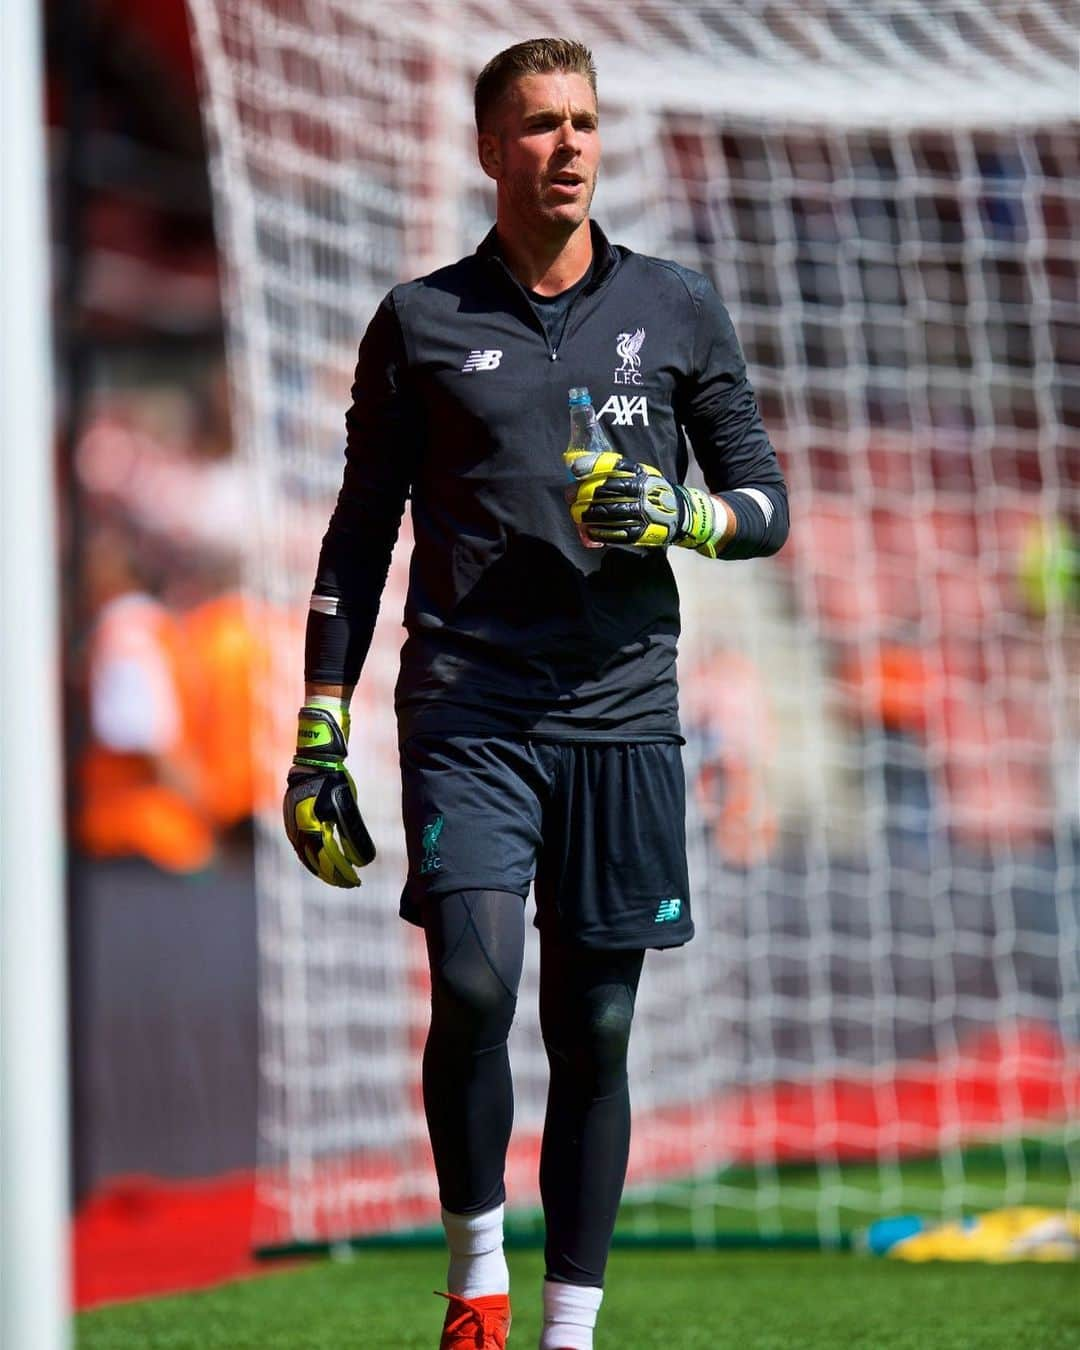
(882,725)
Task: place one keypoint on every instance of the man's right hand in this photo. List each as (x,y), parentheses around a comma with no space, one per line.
(322,818)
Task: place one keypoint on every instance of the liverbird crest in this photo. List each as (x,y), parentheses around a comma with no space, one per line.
(628,346)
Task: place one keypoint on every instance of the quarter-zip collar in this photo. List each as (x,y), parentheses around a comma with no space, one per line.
(606,260)
(606,257)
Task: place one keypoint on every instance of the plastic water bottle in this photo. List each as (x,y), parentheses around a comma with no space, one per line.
(587,437)
(587,434)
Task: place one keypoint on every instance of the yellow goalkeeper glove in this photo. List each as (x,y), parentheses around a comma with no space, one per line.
(619,501)
(322,819)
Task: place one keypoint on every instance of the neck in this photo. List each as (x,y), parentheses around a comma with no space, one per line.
(542,263)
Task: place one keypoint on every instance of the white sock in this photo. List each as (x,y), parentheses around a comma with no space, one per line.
(569,1316)
(477,1264)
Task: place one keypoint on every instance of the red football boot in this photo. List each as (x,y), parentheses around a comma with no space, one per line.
(476,1323)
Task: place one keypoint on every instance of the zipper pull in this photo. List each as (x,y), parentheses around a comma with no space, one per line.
(554,354)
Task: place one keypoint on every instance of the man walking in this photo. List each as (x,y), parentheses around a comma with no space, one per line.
(537,701)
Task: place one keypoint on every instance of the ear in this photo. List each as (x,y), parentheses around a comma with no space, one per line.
(489,154)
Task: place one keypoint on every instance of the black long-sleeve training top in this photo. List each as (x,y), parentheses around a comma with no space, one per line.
(460,401)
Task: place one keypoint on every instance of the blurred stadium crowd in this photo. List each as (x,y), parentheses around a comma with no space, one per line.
(160,644)
(935,505)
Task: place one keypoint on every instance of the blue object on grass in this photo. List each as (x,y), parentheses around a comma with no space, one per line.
(886,1233)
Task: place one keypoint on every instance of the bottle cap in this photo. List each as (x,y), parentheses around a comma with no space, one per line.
(580,396)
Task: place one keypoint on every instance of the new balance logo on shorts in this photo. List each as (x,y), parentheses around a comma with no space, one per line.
(483,360)
(667,911)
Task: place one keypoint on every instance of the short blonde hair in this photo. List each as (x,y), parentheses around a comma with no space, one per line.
(536,56)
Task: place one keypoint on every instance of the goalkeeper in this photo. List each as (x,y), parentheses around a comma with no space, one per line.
(536,701)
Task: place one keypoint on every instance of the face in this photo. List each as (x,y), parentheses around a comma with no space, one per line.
(543,151)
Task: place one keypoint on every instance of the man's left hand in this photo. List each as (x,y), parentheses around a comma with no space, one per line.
(619,501)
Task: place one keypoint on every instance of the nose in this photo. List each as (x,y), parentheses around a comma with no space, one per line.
(568,135)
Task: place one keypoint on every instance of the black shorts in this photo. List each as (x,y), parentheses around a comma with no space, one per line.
(599,826)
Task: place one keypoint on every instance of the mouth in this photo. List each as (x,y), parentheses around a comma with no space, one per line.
(566,180)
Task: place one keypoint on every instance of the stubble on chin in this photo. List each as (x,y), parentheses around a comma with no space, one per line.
(528,199)
(586,207)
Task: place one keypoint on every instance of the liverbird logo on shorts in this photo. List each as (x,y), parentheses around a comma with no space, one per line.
(429,842)
(628,346)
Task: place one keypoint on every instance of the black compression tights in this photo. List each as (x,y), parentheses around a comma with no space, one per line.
(476,943)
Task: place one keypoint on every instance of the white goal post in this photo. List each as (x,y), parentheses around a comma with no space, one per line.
(35,1295)
(881,739)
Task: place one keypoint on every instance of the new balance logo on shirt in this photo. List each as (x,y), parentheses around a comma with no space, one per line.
(483,360)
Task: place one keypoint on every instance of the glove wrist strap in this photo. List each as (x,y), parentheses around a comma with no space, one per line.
(333,703)
(322,735)
(700,524)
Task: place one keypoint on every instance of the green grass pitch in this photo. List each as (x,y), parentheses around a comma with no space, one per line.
(762,1300)
(679,1299)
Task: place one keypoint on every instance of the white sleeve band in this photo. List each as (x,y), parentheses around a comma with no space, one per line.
(325,604)
(761,500)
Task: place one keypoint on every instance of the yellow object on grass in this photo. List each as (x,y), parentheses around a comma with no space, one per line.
(1022,1233)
